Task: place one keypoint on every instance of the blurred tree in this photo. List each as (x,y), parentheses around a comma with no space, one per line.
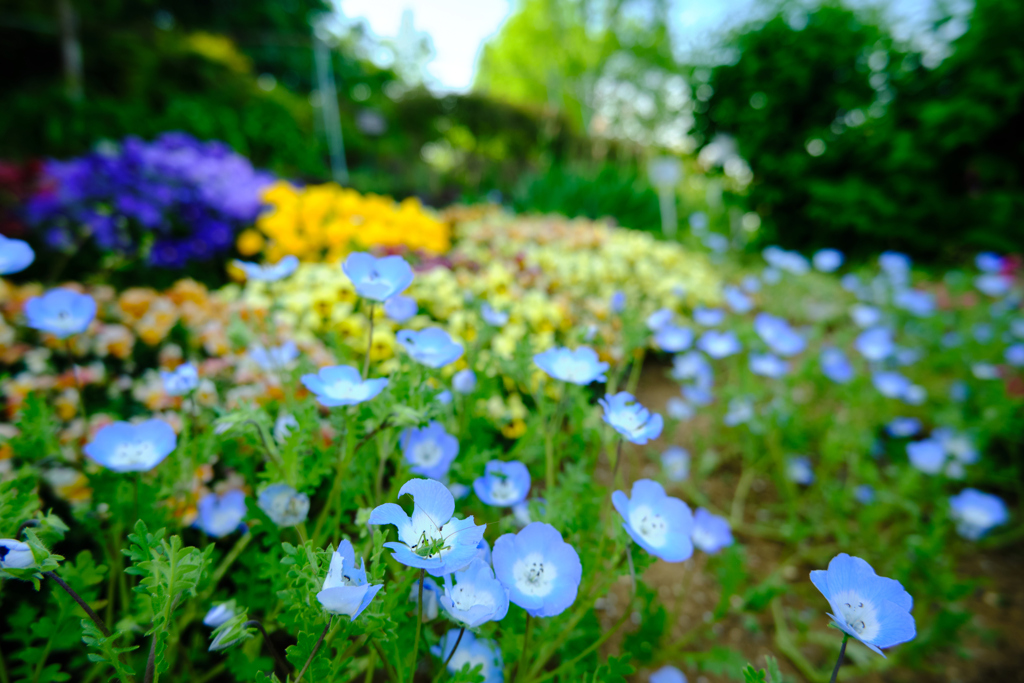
(854,144)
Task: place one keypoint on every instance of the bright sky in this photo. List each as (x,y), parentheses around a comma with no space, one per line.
(459,28)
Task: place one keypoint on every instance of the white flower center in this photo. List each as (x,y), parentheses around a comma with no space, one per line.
(650,525)
(465,596)
(533,576)
(426,453)
(575,371)
(133,453)
(702,538)
(503,490)
(344,390)
(858,613)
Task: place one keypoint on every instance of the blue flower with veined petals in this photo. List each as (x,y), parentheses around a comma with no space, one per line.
(269,273)
(477,597)
(274,358)
(672,338)
(400,308)
(871,608)
(865,316)
(221,515)
(346,590)
(430,450)
(377,279)
(827,260)
(976,512)
(503,484)
(431,346)
(342,385)
(61,312)
(15,554)
(472,652)
(927,455)
(836,366)
(719,344)
(284,505)
(126,447)
(577,366)
(493,317)
(736,299)
(660,318)
(710,532)
(660,524)
(768,365)
(430,539)
(15,256)
(777,334)
(635,423)
(541,571)
(895,265)
(876,343)
(181,380)
(667,674)
(693,366)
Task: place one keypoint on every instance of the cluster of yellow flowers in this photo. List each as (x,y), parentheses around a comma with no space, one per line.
(325,222)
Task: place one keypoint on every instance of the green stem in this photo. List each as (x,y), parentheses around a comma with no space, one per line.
(369,345)
(550,451)
(339,471)
(269,643)
(315,648)
(444,667)
(839,662)
(419,627)
(596,644)
(81,603)
(526,647)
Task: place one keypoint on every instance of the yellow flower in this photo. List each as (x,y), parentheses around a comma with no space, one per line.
(250,243)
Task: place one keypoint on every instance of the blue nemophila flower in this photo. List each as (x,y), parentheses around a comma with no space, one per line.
(864,315)
(126,447)
(771,275)
(993,284)
(576,366)
(274,358)
(283,426)
(667,674)
(182,380)
(710,532)
(864,494)
(660,318)
(737,300)
(985,371)
(1017,328)
(927,455)
(220,515)
(444,397)
(741,411)
(976,512)
(799,470)
(541,571)
(342,385)
(477,597)
(708,317)
(61,312)
(345,590)
(789,261)
(675,461)
(635,423)
(902,427)
(429,450)
(876,343)
(827,260)
(895,265)
(284,505)
(15,554)
(472,652)
(719,344)
(852,284)
(269,273)
(15,256)
(768,365)
(957,444)
(697,394)
(492,316)
(873,609)
(778,335)
(430,539)
(915,395)
(220,614)
(915,301)
(988,262)
(660,524)
(618,302)
(503,483)
(400,308)
(464,381)
(673,338)
(431,346)
(891,384)
(678,409)
(983,333)
(1014,355)
(431,598)
(751,284)
(377,279)
(693,366)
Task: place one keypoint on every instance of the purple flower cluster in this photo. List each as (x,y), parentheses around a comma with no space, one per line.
(173,200)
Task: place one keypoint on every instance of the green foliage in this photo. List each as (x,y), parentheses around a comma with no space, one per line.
(769,675)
